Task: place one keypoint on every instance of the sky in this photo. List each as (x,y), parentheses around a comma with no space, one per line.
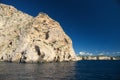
(93,25)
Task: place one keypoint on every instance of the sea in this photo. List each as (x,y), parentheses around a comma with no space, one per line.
(80,70)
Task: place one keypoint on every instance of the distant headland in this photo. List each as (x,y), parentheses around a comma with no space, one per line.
(97,57)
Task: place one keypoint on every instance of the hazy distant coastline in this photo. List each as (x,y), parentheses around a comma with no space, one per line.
(97,57)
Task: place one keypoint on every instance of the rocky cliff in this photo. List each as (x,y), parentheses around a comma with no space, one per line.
(24,38)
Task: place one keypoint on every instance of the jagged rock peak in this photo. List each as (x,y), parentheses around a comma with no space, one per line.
(24,38)
(7,10)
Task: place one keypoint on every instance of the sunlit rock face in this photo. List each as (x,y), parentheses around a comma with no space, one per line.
(24,38)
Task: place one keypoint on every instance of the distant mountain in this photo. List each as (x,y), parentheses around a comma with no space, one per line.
(24,38)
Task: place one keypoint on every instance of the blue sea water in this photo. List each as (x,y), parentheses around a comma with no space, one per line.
(81,70)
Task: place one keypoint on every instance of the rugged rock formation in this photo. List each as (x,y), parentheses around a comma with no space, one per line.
(24,38)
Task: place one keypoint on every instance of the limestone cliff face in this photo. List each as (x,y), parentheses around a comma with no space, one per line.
(24,38)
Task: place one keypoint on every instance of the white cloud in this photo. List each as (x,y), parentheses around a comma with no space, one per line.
(82,53)
(85,53)
(104,53)
(101,53)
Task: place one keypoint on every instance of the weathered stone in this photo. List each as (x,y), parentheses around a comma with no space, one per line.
(24,38)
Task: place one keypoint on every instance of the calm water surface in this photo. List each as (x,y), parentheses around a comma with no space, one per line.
(81,70)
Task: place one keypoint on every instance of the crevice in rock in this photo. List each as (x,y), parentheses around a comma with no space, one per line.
(44,21)
(66,40)
(55,59)
(47,35)
(37,48)
(38,40)
(23,58)
(54,42)
(2,58)
(10,43)
(64,56)
(23,52)
(36,29)
(13,50)
(58,49)
(58,59)
(33,40)
(69,56)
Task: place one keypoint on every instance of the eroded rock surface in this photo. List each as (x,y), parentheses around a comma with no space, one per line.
(24,38)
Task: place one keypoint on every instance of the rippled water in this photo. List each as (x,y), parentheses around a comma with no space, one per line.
(82,70)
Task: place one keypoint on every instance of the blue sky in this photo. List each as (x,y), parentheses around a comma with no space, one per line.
(93,25)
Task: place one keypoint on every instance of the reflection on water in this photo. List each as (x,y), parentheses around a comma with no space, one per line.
(81,70)
(47,71)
